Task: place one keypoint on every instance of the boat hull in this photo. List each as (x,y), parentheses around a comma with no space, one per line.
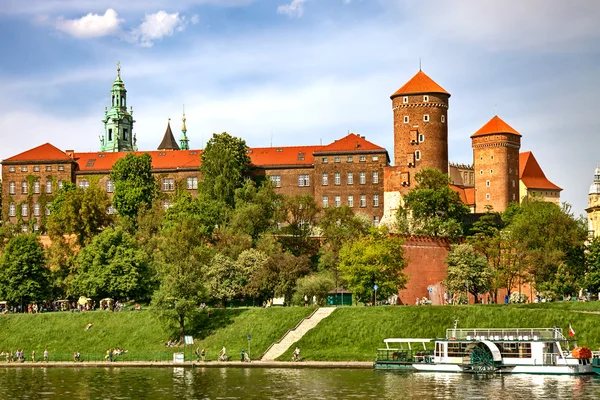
(501,369)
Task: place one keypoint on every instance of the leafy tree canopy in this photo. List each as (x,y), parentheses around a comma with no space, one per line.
(135,187)
(552,240)
(24,277)
(468,270)
(373,259)
(225,163)
(79,211)
(112,265)
(432,207)
(181,262)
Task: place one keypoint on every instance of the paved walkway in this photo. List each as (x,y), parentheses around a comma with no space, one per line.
(208,364)
(293,335)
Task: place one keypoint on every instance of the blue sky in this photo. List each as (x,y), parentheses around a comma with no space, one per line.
(302,72)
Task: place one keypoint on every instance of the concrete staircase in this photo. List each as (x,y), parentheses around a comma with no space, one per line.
(293,335)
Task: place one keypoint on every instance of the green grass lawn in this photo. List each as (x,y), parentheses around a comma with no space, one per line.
(354,333)
(142,333)
(350,333)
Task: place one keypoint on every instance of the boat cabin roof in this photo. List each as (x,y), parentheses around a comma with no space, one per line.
(407,341)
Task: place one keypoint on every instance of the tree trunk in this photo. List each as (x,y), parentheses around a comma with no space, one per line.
(181,327)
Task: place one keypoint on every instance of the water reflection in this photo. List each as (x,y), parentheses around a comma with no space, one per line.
(304,384)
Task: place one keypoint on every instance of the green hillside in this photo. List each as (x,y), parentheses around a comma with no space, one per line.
(354,333)
(350,333)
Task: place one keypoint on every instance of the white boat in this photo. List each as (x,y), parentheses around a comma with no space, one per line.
(514,351)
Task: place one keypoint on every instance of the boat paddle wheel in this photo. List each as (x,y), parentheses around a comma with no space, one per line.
(479,360)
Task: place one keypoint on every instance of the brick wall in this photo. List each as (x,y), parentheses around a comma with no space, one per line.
(28,173)
(426,268)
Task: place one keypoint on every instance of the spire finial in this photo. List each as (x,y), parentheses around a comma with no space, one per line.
(419,63)
(119,69)
(183,119)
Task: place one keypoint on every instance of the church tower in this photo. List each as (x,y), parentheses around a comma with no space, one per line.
(420,127)
(184,142)
(593,210)
(496,162)
(118,123)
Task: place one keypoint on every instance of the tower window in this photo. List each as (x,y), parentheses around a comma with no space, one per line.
(514,197)
(421,138)
(487,196)
(406,119)
(426,98)
(480,172)
(426,118)
(487,183)
(513,183)
(492,157)
(110,134)
(124,134)
(405,99)
(418,155)
(443,119)
(491,171)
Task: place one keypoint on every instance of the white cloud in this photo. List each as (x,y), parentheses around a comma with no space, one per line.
(158,25)
(91,25)
(294,9)
(53,7)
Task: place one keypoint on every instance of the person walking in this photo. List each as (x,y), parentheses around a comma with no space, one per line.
(197,351)
(243,355)
(33,356)
(46,355)
(203,354)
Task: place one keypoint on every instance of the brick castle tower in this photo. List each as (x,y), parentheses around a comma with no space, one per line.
(496,162)
(420,110)
(420,127)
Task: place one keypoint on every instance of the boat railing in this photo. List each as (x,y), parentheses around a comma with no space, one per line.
(404,355)
(522,334)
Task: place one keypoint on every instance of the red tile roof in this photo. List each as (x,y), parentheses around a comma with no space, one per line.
(531,174)
(184,159)
(351,142)
(467,194)
(289,155)
(45,152)
(168,159)
(420,83)
(495,125)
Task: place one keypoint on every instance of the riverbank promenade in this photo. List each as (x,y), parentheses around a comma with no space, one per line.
(188,364)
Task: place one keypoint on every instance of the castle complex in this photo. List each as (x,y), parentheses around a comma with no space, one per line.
(350,171)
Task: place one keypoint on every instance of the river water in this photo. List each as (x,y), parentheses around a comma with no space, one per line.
(258,383)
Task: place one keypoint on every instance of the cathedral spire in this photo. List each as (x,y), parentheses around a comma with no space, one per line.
(184,142)
(118,122)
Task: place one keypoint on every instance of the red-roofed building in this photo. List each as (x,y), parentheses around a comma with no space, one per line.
(533,181)
(348,171)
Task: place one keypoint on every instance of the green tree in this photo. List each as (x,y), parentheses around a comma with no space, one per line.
(375,259)
(468,271)
(135,187)
(432,207)
(225,163)
(181,261)
(112,265)
(316,284)
(78,211)
(255,209)
(298,215)
(225,280)
(203,212)
(278,276)
(24,277)
(592,264)
(339,225)
(551,243)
